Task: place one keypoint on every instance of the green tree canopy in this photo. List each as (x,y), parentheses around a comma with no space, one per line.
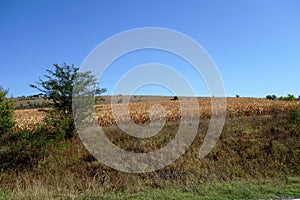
(6,112)
(59,85)
(59,88)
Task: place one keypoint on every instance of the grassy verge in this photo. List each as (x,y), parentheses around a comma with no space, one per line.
(255,158)
(234,190)
(268,189)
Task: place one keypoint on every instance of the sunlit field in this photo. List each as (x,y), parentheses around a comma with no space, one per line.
(256,157)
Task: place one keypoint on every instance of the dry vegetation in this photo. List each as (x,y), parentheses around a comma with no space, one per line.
(139,111)
(260,148)
(28,118)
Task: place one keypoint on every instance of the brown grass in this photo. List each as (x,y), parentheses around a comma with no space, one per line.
(250,148)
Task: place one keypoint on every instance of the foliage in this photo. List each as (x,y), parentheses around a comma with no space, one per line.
(289,97)
(271,97)
(6,112)
(24,148)
(294,121)
(61,123)
(294,115)
(60,83)
(254,149)
(59,88)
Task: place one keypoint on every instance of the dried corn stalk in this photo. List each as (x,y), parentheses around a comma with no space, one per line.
(139,112)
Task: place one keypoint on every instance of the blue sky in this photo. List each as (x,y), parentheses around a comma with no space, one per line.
(254,43)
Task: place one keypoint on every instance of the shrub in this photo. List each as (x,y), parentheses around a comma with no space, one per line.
(294,121)
(24,148)
(6,112)
(175,98)
(62,124)
(271,97)
(289,97)
(294,115)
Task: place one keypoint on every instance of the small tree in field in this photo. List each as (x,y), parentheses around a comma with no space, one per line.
(6,112)
(58,87)
(271,97)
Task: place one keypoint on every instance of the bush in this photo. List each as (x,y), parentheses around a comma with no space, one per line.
(175,98)
(24,148)
(6,112)
(289,97)
(271,97)
(294,121)
(294,115)
(61,123)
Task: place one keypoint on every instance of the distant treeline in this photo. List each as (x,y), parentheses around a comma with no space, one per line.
(289,97)
(29,97)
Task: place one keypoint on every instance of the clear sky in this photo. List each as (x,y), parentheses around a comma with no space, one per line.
(254,43)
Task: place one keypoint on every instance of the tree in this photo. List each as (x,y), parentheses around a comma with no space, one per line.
(289,97)
(271,97)
(58,87)
(6,112)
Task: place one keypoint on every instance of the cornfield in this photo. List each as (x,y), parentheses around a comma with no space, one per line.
(139,111)
(28,118)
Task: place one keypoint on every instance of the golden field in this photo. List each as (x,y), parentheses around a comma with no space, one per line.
(139,111)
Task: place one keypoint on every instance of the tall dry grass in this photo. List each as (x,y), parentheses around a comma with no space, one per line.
(250,148)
